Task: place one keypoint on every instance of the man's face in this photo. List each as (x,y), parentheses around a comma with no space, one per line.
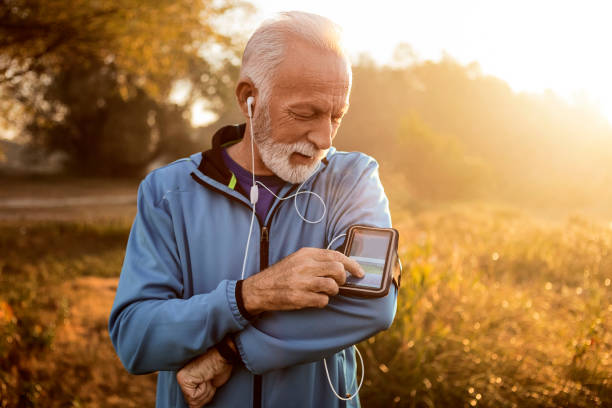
(295,127)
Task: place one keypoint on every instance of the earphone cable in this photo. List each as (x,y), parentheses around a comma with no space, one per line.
(254,195)
(356,349)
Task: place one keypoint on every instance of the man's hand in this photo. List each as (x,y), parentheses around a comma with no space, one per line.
(201,377)
(306,278)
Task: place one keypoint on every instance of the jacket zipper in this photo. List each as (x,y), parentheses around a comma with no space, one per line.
(264,246)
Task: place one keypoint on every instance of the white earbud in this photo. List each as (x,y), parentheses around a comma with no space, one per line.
(250,101)
(254,189)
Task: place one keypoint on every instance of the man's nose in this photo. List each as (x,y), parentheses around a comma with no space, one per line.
(322,136)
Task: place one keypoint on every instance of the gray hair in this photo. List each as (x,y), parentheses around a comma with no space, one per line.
(266,48)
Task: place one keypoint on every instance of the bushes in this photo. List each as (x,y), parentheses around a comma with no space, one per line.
(496,310)
(35,261)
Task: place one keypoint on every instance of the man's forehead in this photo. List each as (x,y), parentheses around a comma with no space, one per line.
(305,66)
(314,84)
(318,96)
(313,89)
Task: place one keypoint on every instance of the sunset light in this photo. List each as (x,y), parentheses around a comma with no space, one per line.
(179,227)
(533,45)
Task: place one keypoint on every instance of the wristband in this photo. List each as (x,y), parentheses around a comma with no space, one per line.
(240,302)
(228,353)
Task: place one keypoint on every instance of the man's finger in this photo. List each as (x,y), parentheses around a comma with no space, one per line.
(349,264)
(327,286)
(334,270)
(209,395)
(202,395)
(315,300)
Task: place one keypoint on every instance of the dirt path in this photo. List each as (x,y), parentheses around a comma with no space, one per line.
(83,354)
(68,199)
(42,202)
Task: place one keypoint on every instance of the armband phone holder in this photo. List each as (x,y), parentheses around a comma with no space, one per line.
(375,249)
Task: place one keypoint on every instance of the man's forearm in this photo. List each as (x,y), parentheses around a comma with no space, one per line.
(283,339)
(306,278)
(151,325)
(162,335)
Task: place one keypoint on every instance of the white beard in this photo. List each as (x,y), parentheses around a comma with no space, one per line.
(275,155)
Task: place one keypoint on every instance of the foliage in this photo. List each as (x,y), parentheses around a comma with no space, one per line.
(35,261)
(478,136)
(498,310)
(102,131)
(445,169)
(152,40)
(91,80)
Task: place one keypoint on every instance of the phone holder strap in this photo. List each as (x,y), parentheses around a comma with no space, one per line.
(397,271)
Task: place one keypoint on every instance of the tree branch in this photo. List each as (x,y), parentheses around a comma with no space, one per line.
(34,59)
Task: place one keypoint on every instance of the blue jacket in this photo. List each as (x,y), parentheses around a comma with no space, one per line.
(176,294)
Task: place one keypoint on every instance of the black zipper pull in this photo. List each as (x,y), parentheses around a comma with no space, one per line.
(264,234)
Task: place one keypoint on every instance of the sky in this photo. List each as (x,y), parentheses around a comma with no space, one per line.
(533,45)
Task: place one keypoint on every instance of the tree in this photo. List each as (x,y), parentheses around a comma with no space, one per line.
(92,79)
(453,132)
(156,40)
(101,131)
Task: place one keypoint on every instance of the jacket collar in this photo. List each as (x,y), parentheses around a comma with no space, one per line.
(213,174)
(212,164)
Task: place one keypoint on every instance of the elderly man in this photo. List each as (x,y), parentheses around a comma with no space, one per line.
(231,329)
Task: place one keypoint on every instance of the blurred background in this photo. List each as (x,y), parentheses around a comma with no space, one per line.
(492,124)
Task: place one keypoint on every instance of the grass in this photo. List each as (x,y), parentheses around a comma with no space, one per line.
(497,309)
(57,283)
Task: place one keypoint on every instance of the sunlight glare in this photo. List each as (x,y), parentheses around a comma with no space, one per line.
(534,46)
(201,115)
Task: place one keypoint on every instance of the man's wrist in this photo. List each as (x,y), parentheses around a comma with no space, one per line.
(245,301)
(227,349)
(230,342)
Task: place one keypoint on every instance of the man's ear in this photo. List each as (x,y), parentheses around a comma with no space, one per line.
(244,89)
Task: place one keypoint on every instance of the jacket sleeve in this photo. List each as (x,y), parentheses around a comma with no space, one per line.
(282,339)
(152,328)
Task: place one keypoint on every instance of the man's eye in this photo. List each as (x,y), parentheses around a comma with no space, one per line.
(303,115)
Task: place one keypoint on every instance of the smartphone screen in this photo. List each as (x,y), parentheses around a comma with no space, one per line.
(369,249)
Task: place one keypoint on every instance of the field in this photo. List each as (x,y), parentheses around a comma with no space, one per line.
(498,308)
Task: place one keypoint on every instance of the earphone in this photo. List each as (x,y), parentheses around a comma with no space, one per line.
(254,196)
(349,396)
(254,192)
(250,101)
